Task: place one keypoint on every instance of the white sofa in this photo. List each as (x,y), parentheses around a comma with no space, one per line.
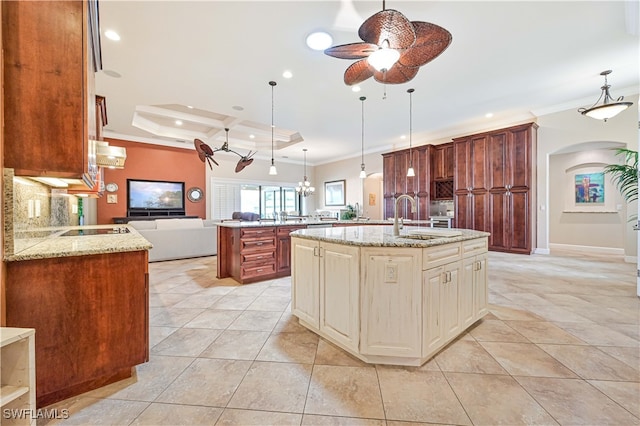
(178,238)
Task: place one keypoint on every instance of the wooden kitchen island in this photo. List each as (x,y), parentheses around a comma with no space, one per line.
(87,297)
(385,299)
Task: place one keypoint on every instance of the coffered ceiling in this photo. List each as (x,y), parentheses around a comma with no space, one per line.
(208,65)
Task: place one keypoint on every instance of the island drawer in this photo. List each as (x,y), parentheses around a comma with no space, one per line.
(286,230)
(265,244)
(258,232)
(259,256)
(258,269)
(440,255)
(473,247)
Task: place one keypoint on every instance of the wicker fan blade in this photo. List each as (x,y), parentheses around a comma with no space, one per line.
(388,25)
(358,72)
(198,144)
(431,41)
(244,162)
(352,50)
(398,74)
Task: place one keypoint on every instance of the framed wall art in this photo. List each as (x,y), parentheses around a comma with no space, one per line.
(334,193)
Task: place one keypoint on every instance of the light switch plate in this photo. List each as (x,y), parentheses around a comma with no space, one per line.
(112,198)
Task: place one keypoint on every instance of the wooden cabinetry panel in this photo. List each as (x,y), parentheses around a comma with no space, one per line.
(442,162)
(396,182)
(283,249)
(305,272)
(91,318)
(391,303)
(493,177)
(48,86)
(339,291)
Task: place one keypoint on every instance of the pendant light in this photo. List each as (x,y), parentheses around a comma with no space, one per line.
(609,107)
(304,188)
(410,171)
(363,173)
(272,169)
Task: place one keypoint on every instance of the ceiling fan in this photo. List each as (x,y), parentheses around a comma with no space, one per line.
(206,153)
(394,48)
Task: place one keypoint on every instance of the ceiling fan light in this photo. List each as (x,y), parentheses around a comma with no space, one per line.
(319,40)
(383,58)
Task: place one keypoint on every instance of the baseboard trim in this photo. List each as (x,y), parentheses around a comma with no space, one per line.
(539,250)
(589,249)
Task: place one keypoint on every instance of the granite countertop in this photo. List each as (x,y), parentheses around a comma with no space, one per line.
(50,242)
(242,224)
(382,236)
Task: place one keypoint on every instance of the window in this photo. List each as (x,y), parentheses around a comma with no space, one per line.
(231,196)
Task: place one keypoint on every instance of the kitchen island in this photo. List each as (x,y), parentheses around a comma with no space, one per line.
(85,291)
(385,299)
(254,251)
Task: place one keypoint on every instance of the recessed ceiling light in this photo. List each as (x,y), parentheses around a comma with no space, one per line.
(403,137)
(356,88)
(112,35)
(252,136)
(238,108)
(489,115)
(287,74)
(178,122)
(319,40)
(190,106)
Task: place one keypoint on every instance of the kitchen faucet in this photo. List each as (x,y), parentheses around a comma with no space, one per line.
(357,208)
(396,229)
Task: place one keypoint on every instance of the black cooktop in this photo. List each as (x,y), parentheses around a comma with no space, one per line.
(99,231)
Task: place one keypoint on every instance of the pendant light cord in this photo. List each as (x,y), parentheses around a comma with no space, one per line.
(272,84)
(410,91)
(362,98)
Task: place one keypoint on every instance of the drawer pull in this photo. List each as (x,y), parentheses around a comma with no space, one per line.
(259,257)
(258,270)
(259,244)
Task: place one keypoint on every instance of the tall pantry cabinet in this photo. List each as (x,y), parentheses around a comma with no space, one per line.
(493,182)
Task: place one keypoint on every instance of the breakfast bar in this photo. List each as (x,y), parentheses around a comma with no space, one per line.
(389,299)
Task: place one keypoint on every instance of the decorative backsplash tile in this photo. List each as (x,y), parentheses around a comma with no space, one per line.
(31,205)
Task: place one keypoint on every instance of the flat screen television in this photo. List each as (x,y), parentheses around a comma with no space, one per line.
(155,197)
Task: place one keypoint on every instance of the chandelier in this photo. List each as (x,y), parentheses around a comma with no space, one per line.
(609,107)
(304,188)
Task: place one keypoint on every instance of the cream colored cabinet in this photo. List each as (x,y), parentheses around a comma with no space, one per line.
(339,285)
(391,302)
(442,294)
(17,376)
(305,272)
(327,278)
(474,281)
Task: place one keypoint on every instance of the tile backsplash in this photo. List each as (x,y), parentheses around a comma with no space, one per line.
(441,208)
(29,205)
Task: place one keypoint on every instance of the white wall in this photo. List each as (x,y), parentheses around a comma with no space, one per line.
(559,132)
(584,225)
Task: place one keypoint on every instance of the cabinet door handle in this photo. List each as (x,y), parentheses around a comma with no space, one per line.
(320,252)
(315,251)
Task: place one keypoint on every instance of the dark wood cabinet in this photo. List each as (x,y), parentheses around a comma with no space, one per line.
(91,315)
(396,182)
(49,105)
(442,161)
(250,254)
(283,249)
(494,173)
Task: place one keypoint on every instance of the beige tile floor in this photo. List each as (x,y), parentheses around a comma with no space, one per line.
(560,346)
